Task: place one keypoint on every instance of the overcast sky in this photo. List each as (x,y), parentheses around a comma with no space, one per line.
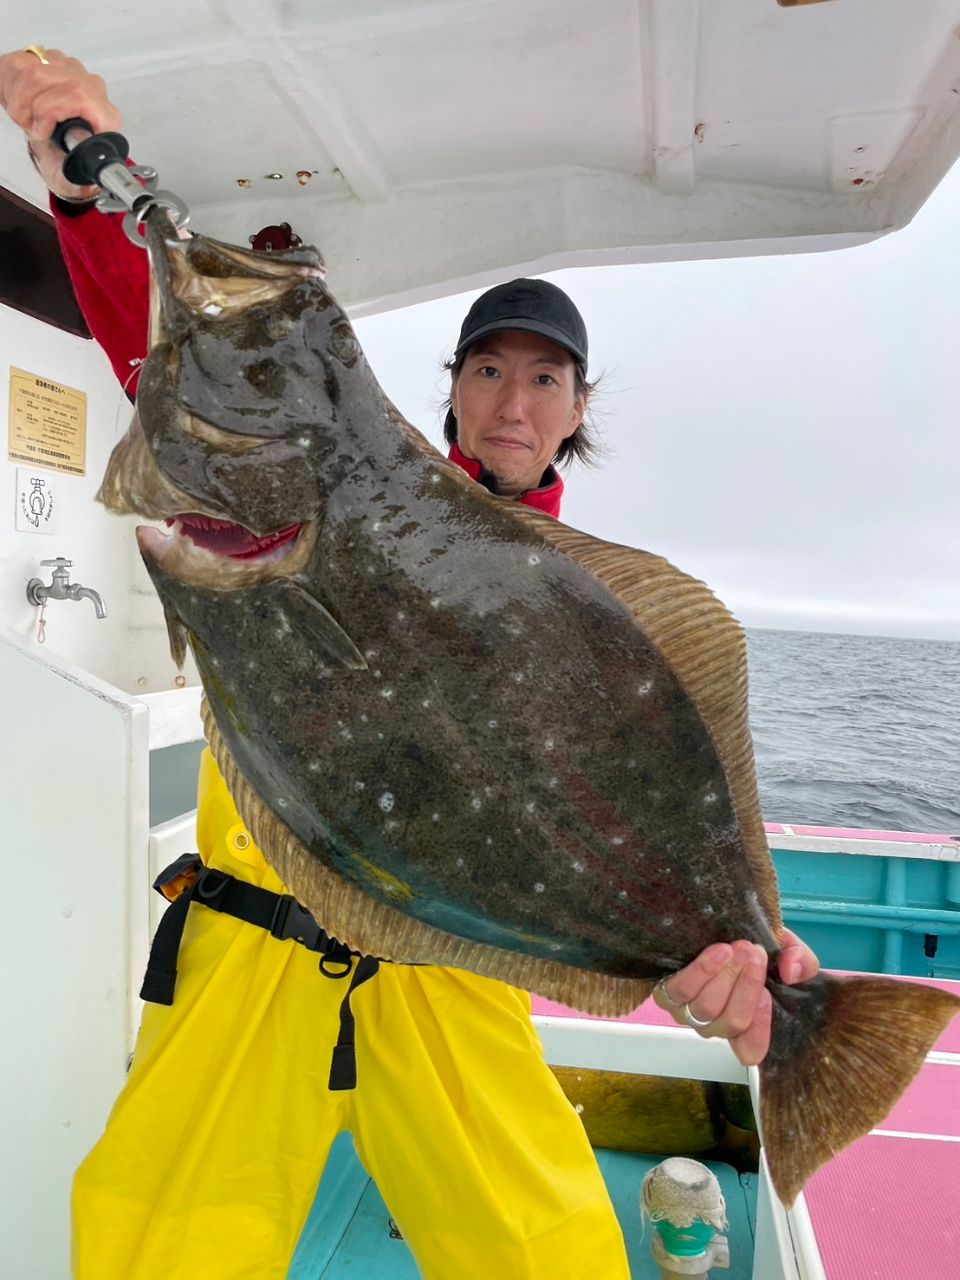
(785,428)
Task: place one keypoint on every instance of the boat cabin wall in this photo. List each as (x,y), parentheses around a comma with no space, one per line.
(128,648)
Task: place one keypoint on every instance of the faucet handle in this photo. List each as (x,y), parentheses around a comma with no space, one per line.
(60,563)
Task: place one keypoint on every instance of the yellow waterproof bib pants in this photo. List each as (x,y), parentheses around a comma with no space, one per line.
(213,1151)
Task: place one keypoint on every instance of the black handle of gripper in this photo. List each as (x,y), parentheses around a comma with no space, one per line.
(85,160)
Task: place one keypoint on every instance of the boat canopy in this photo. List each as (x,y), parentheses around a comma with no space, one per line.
(428,146)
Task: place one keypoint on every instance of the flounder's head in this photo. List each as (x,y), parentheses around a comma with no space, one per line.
(239,422)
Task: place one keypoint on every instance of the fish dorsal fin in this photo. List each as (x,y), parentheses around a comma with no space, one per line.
(705,648)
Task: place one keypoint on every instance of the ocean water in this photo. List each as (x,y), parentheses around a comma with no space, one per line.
(856,731)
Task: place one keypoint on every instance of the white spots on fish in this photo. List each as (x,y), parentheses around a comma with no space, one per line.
(391,824)
(554,783)
(476,802)
(304,441)
(282,802)
(379,737)
(364,717)
(377,526)
(425,703)
(698,880)
(631,764)
(517,831)
(491,724)
(252,665)
(370,654)
(215,661)
(434,817)
(435,602)
(519,677)
(359,785)
(377,674)
(457,766)
(212,309)
(488,792)
(644,688)
(460,863)
(387,801)
(622,895)
(539,887)
(548,744)
(617,840)
(578,867)
(533,559)
(314,766)
(530,806)
(710,798)
(386,692)
(579,1108)
(707,909)
(346,734)
(434,479)
(401,616)
(666,921)
(489,839)
(277,698)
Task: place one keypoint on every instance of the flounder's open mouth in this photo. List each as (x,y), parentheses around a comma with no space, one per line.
(218,555)
(224,538)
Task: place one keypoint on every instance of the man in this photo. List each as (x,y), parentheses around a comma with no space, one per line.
(212,1153)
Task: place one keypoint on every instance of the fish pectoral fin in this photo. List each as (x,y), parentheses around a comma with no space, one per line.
(842,1051)
(306,612)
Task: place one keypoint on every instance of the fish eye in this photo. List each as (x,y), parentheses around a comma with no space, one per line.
(343,343)
(279,327)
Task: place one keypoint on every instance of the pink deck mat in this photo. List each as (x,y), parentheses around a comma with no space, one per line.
(889,1209)
(861,833)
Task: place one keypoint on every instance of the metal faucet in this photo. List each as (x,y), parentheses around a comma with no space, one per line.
(61,588)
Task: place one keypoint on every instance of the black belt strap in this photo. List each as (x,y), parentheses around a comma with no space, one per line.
(283,918)
(343,1063)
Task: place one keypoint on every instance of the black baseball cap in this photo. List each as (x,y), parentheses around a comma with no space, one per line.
(534,305)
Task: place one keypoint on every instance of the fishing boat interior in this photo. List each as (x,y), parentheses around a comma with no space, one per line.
(429,148)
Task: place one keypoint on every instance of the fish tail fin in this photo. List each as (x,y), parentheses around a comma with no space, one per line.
(842,1051)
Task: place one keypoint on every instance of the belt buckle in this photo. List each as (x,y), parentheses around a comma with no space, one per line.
(291,920)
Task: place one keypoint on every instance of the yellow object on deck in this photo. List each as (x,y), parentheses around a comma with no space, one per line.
(213,1151)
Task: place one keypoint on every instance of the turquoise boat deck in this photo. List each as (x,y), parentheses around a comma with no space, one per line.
(348,1233)
(892,907)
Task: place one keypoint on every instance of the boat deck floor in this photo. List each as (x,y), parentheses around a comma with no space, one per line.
(347,1234)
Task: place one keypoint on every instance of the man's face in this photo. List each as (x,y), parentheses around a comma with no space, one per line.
(516,401)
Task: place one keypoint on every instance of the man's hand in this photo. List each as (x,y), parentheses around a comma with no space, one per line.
(37,97)
(724,988)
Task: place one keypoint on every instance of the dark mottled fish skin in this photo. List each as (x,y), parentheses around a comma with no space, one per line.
(433,699)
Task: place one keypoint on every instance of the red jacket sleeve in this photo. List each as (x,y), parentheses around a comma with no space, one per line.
(111,278)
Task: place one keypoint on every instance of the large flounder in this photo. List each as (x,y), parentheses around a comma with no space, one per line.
(461,732)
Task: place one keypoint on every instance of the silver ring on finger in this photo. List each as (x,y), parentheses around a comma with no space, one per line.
(693,1021)
(674,1004)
